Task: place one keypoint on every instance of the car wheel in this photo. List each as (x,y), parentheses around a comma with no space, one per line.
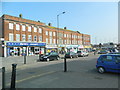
(101,70)
(70,56)
(48,59)
(58,58)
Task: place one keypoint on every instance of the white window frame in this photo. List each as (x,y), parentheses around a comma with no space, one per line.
(46,40)
(35,29)
(46,32)
(17,27)
(54,33)
(36,38)
(23,27)
(11,37)
(40,38)
(23,38)
(29,28)
(11,26)
(29,37)
(17,37)
(50,33)
(40,30)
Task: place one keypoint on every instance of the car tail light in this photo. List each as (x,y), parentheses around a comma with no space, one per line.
(96,61)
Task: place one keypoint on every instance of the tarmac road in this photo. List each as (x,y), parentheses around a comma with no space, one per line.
(81,73)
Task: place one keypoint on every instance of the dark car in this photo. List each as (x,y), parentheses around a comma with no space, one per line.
(50,56)
(108,63)
(71,55)
(103,52)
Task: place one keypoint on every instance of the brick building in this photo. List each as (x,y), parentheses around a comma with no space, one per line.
(27,36)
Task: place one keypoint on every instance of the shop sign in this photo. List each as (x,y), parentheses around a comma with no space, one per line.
(24,44)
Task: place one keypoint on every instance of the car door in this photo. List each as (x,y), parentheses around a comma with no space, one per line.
(108,62)
(117,63)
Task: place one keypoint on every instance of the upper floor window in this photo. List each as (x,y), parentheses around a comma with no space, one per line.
(53,33)
(35,38)
(64,35)
(40,30)
(46,32)
(23,27)
(17,27)
(29,28)
(17,37)
(29,38)
(40,38)
(35,29)
(50,33)
(46,40)
(11,38)
(23,37)
(10,25)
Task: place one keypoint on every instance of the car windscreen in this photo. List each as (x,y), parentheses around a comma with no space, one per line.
(78,51)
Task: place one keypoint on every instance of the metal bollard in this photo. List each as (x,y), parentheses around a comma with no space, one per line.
(24,58)
(65,65)
(13,77)
(3,78)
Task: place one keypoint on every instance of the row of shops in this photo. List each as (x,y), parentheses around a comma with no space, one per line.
(32,48)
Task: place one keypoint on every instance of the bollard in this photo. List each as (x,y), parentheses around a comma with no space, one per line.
(24,58)
(3,78)
(13,77)
(65,65)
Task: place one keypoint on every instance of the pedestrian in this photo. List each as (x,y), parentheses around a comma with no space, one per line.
(94,52)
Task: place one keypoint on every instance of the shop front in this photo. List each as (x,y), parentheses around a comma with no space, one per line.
(21,48)
(88,48)
(50,48)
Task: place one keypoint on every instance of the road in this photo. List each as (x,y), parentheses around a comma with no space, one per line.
(81,73)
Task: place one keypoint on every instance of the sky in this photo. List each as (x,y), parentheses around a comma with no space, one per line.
(98,19)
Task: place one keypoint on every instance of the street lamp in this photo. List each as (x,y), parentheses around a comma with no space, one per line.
(58,27)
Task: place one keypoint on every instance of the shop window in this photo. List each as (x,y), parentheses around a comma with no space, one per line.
(35,38)
(23,27)
(17,27)
(10,25)
(17,37)
(23,37)
(11,38)
(29,38)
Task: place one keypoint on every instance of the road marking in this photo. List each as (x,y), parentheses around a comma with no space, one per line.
(18,81)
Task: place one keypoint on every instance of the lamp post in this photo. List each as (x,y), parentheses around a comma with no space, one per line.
(58,27)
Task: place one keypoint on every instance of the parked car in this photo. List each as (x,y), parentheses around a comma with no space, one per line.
(50,56)
(114,53)
(82,53)
(71,55)
(108,63)
(103,52)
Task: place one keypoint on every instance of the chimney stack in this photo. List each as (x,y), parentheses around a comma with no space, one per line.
(20,15)
(65,27)
(49,24)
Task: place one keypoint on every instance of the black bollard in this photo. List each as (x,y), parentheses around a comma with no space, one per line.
(24,58)
(3,78)
(13,77)
(65,65)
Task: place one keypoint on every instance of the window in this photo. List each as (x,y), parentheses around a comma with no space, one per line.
(17,27)
(46,32)
(50,40)
(46,40)
(64,35)
(117,58)
(50,33)
(29,38)
(106,58)
(35,29)
(40,30)
(54,41)
(10,25)
(17,37)
(53,33)
(23,27)
(40,38)
(35,38)
(29,28)
(11,38)
(23,37)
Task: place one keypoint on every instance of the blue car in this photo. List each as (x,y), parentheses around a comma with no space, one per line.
(108,63)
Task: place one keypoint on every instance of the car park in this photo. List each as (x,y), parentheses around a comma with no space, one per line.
(50,56)
(108,63)
(82,53)
(71,55)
